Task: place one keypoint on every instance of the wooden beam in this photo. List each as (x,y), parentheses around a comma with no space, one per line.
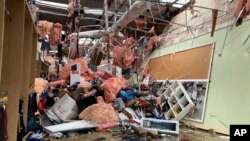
(12,61)
(2,15)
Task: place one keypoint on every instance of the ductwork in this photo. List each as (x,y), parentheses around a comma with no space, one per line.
(95,34)
(135,10)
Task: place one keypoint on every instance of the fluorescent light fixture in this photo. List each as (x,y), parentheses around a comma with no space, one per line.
(93,11)
(52,4)
(179,3)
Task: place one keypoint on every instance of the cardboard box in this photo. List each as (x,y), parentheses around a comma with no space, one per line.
(66,108)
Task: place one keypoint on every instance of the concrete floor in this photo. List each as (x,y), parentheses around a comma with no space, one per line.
(185,135)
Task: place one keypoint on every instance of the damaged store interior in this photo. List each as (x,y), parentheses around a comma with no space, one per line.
(123,70)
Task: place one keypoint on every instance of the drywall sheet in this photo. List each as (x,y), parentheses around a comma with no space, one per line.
(187,64)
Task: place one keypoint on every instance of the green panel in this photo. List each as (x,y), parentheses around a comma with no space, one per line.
(229,90)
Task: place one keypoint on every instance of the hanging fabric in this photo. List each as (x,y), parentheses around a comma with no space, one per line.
(55,35)
(43,28)
(73,49)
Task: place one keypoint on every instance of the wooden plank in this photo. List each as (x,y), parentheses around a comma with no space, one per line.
(2,15)
(26,66)
(12,62)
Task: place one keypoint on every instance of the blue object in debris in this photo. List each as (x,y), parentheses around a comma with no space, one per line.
(127,95)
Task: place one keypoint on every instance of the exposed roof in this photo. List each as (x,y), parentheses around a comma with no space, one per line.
(56,11)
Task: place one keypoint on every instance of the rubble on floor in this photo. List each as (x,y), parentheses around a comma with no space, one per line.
(105,106)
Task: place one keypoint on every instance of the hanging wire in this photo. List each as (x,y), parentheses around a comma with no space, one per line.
(225,39)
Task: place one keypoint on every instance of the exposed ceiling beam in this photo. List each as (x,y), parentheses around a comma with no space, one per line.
(119,7)
(53,13)
(134,11)
(54,5)
(100,17)
(95,34)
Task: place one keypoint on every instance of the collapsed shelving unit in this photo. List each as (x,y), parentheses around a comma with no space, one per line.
(175,101)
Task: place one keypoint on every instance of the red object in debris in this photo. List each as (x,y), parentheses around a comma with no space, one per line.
(133,121)
(101,113)
(140,23)
(41,104)
(143,103)
(107,125)
(112,86)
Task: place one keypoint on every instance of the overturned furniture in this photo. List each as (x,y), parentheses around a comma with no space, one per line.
(175,100)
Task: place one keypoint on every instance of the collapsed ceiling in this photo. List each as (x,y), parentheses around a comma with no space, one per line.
(56,11)
(127,28)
